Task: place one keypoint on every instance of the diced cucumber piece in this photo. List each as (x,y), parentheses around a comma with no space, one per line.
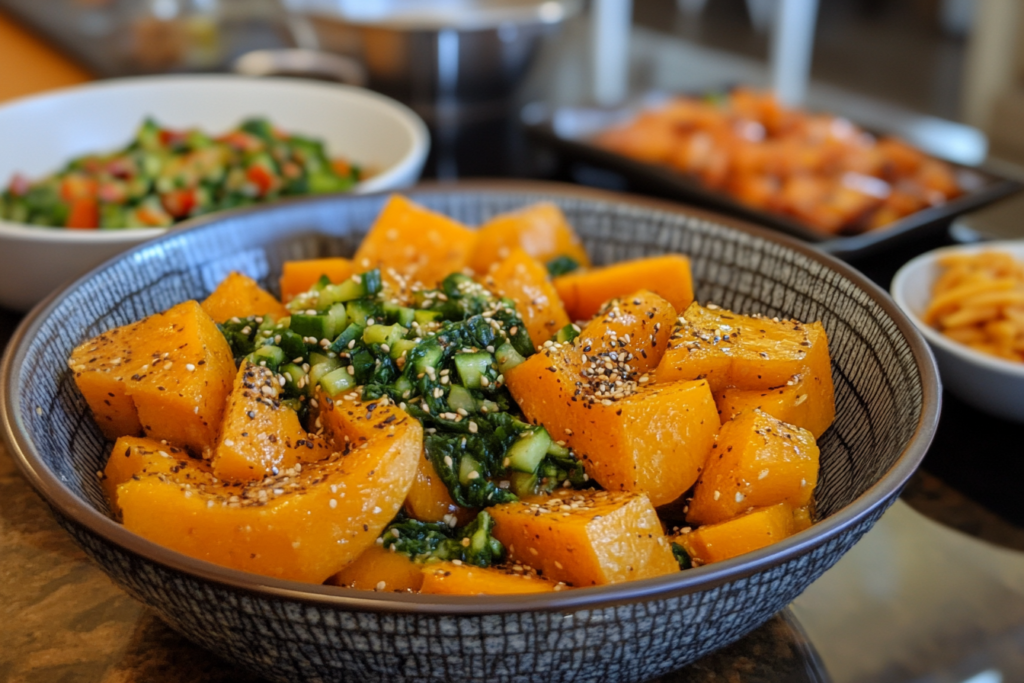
(339,319)
(316,358)
(349,290)
(472,367)
(352,332)
(426,317)
(293,375)
(372,281)
(567,334)
(527,452)
(321,284)
(383,334)
(337,381)
(320,369)
(399,314)
(507,357)
(293,403)
(317,326)
(402,385)
(269,356)
(523,484)
(432,356)
(489,407)
(401,347)
(467,467)
(460,397)
(360,311)
(558,451)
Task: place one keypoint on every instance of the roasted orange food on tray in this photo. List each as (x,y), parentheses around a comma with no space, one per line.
(821,170)
(978,300)
(461,412)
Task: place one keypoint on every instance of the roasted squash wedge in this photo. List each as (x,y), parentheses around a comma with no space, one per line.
(792,403)
(584,292)
(447,578)
(524,280)
(757,461)
(586,538)
(748,352)
(169,373)
(259,435)
(135,457)
(299,276)
(541,230)
(306,524)
(377,569)
(635,328)
(415,243)
(751,531)
(429,499)
(238,296)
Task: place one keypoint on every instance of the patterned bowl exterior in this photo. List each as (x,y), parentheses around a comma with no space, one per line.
(887,397)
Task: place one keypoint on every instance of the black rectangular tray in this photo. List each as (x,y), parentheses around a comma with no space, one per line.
(570,130)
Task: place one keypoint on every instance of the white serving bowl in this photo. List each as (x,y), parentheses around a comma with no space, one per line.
(990,384)
(39,134)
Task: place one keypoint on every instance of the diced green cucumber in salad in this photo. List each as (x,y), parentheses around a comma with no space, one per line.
(165,176)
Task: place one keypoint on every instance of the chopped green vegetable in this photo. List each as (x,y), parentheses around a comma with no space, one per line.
(561,265)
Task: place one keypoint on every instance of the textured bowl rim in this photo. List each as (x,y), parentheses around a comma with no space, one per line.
(901,283)
(414,156)
(64,501)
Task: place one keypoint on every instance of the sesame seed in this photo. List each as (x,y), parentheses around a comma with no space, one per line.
(333,503)
(717,495)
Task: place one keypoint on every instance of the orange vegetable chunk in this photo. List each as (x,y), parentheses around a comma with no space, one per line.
(416,243)
(258,433)
(429,499)
(377,569)
(799,402)
(347,420)
(524,280)
(239,296)
(452,579)
(305,525)
(638,325)
(757,461)
(747,352)
(584,292)
(169,373)
(134,456)
(541,230)
(586,538)
(298,276)
(752,531)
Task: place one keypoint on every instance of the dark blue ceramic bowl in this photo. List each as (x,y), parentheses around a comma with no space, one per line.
(887,398)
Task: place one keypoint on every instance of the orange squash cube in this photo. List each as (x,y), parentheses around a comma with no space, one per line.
(169,373)
(638,325)
(803,402)
(541,230)
(305,525)
(238,296)
(418,244)
(586,538)
(258,434)
(298,276)
(757,461)
(655,439)
(747,352)
(584,292)
(377,569)
(448,578)
(134,456)
(429,499)
(346,419)
(752,531)
(521,278)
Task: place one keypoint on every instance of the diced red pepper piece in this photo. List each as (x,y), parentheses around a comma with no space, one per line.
(261,177)
(84,213)
(78,187)
(179,203)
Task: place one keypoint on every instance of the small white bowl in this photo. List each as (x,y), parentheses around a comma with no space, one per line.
(39,134)
(991,384)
